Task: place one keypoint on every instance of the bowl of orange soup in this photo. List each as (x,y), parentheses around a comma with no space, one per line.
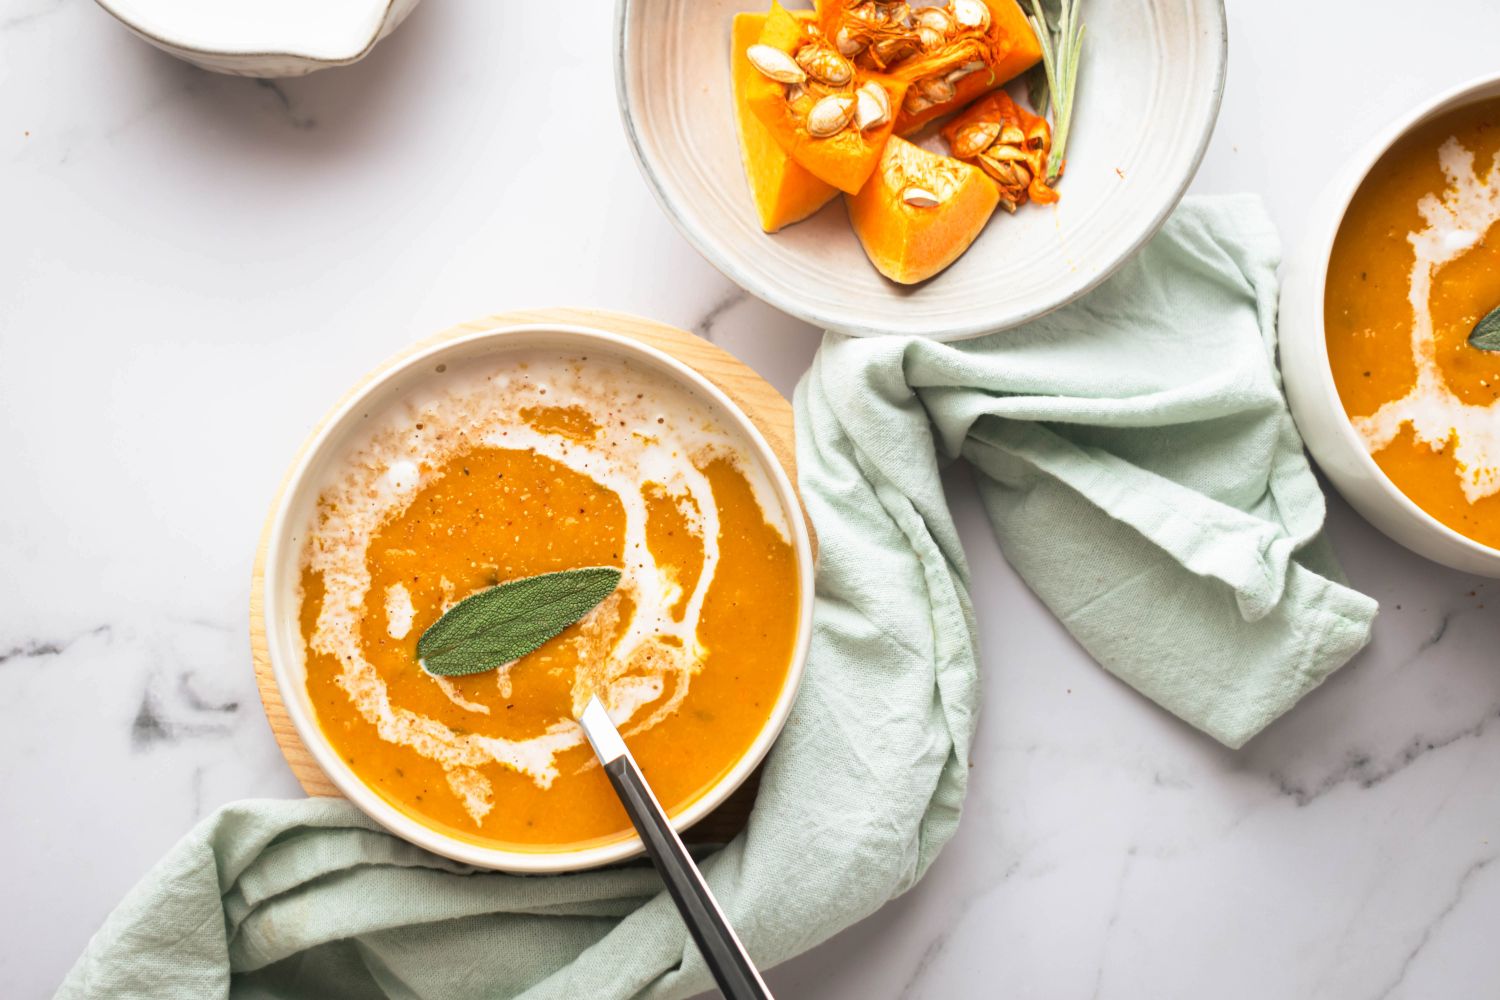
(511,453)
(1398,406)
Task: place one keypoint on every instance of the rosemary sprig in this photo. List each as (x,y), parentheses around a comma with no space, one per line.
(1060,51)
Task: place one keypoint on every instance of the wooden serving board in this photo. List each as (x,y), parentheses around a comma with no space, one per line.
(766,407)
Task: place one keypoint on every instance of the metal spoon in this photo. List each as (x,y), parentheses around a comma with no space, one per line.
(726,957)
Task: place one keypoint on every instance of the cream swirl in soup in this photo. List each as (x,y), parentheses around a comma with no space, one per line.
(1415,266)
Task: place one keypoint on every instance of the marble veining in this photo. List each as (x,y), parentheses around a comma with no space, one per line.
(31,649)
(705,327)
(1366,771)
(1460,893)
(182,714)
(200,264)
(27,15)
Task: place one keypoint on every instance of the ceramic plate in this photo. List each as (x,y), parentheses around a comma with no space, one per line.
(1148,95)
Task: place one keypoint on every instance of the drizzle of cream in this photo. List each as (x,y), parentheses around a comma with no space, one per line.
(398,611)
(671,587)
(473,790)
(653,434)
(402,477)
(629,695)
(451,691)
(765,498)
(1438,417)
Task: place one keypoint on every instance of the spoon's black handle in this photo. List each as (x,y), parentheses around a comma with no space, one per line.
(726,957)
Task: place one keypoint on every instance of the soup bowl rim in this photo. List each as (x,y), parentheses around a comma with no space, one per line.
(281,601)
(1326,426)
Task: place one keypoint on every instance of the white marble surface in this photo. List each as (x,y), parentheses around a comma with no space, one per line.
(192,267)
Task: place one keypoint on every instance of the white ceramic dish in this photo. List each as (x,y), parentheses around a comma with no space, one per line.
(346,426)
(1149,88)
(1305,369)
(262,38)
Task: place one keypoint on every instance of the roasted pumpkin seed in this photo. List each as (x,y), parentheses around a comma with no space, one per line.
(829,116)
(825,65)
(971,15)
(893,50)
(974,139)
(775,64)
(915,103)
(848,43)
(872,106)
(1009,174)
(920,198)
(1006,153)
(936,89)
(935,18)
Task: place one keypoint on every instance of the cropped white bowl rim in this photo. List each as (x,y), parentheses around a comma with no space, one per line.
(967,331)
(287,663)
(137,20)
(1448,100)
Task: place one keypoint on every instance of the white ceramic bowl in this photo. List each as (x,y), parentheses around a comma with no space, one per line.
(262,38)
(1305,369)
(1148,96)
(317,466)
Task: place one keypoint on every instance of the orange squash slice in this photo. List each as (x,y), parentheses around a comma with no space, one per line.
(1008,143)
(831,119)
(920,211)
(784,191)
(948,54)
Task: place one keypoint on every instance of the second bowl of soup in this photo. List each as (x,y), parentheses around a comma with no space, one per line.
(1397,400)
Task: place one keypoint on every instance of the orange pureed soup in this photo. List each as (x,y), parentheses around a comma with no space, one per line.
(547,464)
(1416,264)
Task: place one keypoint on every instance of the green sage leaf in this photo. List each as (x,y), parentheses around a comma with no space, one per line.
(504,623)
(1486,335)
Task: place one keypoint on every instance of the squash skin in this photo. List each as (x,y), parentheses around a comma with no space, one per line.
(783,190)
(909,244)
(845,160)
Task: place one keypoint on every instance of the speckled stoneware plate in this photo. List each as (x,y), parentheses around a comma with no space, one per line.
(1148,96)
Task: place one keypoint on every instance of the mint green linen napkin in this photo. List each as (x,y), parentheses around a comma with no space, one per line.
(1142,474)
(1138,463)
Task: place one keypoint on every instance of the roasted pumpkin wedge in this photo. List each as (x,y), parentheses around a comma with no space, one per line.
(784,191)
(920,211)
(1008,143)
(948,54)
(828,117)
